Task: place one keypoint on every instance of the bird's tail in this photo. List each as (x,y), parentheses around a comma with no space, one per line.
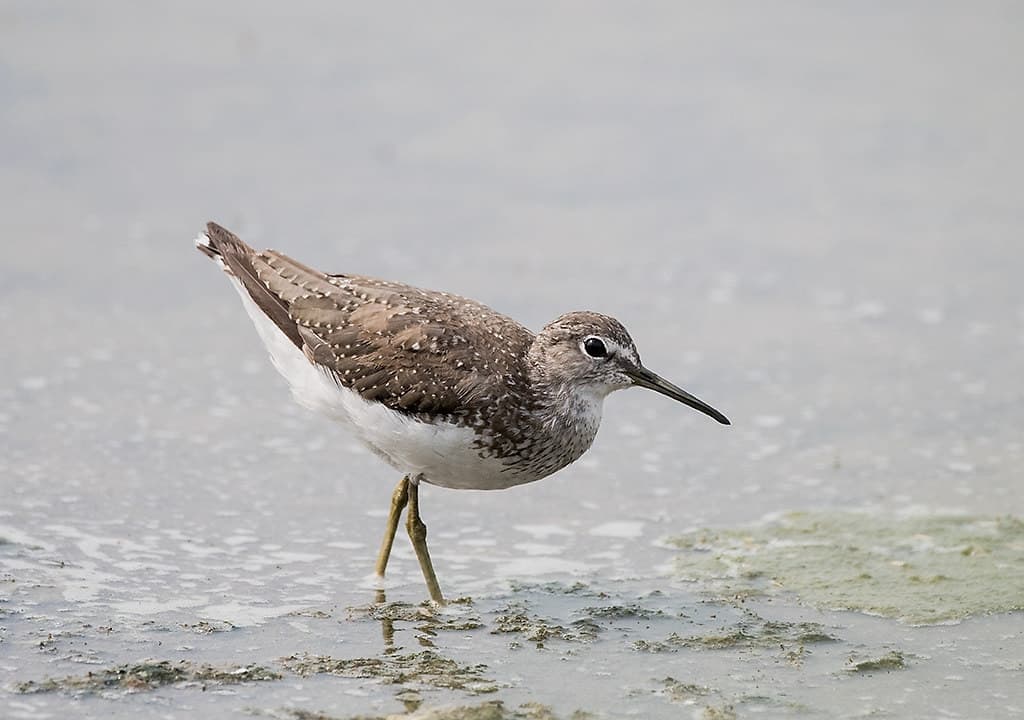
(224,247)
(243,263)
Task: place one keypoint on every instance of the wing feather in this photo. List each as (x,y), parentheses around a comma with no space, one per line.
(413,350)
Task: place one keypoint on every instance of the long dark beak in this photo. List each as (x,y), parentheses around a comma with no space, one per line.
(652,381)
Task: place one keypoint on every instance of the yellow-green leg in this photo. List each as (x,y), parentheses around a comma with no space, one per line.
(418,535)
(398,500)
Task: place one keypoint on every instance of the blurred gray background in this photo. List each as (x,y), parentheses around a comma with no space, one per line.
(809,215)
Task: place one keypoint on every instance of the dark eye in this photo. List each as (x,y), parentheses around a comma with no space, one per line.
(595,348)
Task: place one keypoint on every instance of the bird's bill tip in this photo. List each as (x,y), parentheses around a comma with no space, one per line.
(644,378)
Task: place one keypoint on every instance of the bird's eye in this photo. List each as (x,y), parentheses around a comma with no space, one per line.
(595,347)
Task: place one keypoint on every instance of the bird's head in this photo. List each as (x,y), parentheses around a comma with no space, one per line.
(594,353)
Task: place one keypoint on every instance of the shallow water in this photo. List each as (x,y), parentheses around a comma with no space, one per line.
(809,218)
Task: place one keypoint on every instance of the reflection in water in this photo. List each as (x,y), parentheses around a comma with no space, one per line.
(387,623)
(426,618)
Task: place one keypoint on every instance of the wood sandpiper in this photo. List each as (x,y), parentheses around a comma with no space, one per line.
(443,388)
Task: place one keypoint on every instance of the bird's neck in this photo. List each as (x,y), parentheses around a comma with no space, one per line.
(568,409)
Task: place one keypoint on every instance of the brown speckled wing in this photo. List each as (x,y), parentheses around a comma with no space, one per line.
(413,350)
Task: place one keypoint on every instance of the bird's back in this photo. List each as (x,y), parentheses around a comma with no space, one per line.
(438,385)
(415,351)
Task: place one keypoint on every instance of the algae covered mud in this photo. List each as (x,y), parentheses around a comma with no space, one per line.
(915,568)
(742,626)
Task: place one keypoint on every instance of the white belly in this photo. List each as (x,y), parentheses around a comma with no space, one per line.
(440,454)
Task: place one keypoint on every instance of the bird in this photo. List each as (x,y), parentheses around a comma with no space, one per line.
(444,389)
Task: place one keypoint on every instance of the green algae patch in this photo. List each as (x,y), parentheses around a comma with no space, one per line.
(630,611)
(683,692)
(580,589)
(314,613)
(515,620)
(918,569)
(708,703)
(493,710)
(149,676)
(751,633)
(457,616)
(894,660)
(208,627)
(422,669)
